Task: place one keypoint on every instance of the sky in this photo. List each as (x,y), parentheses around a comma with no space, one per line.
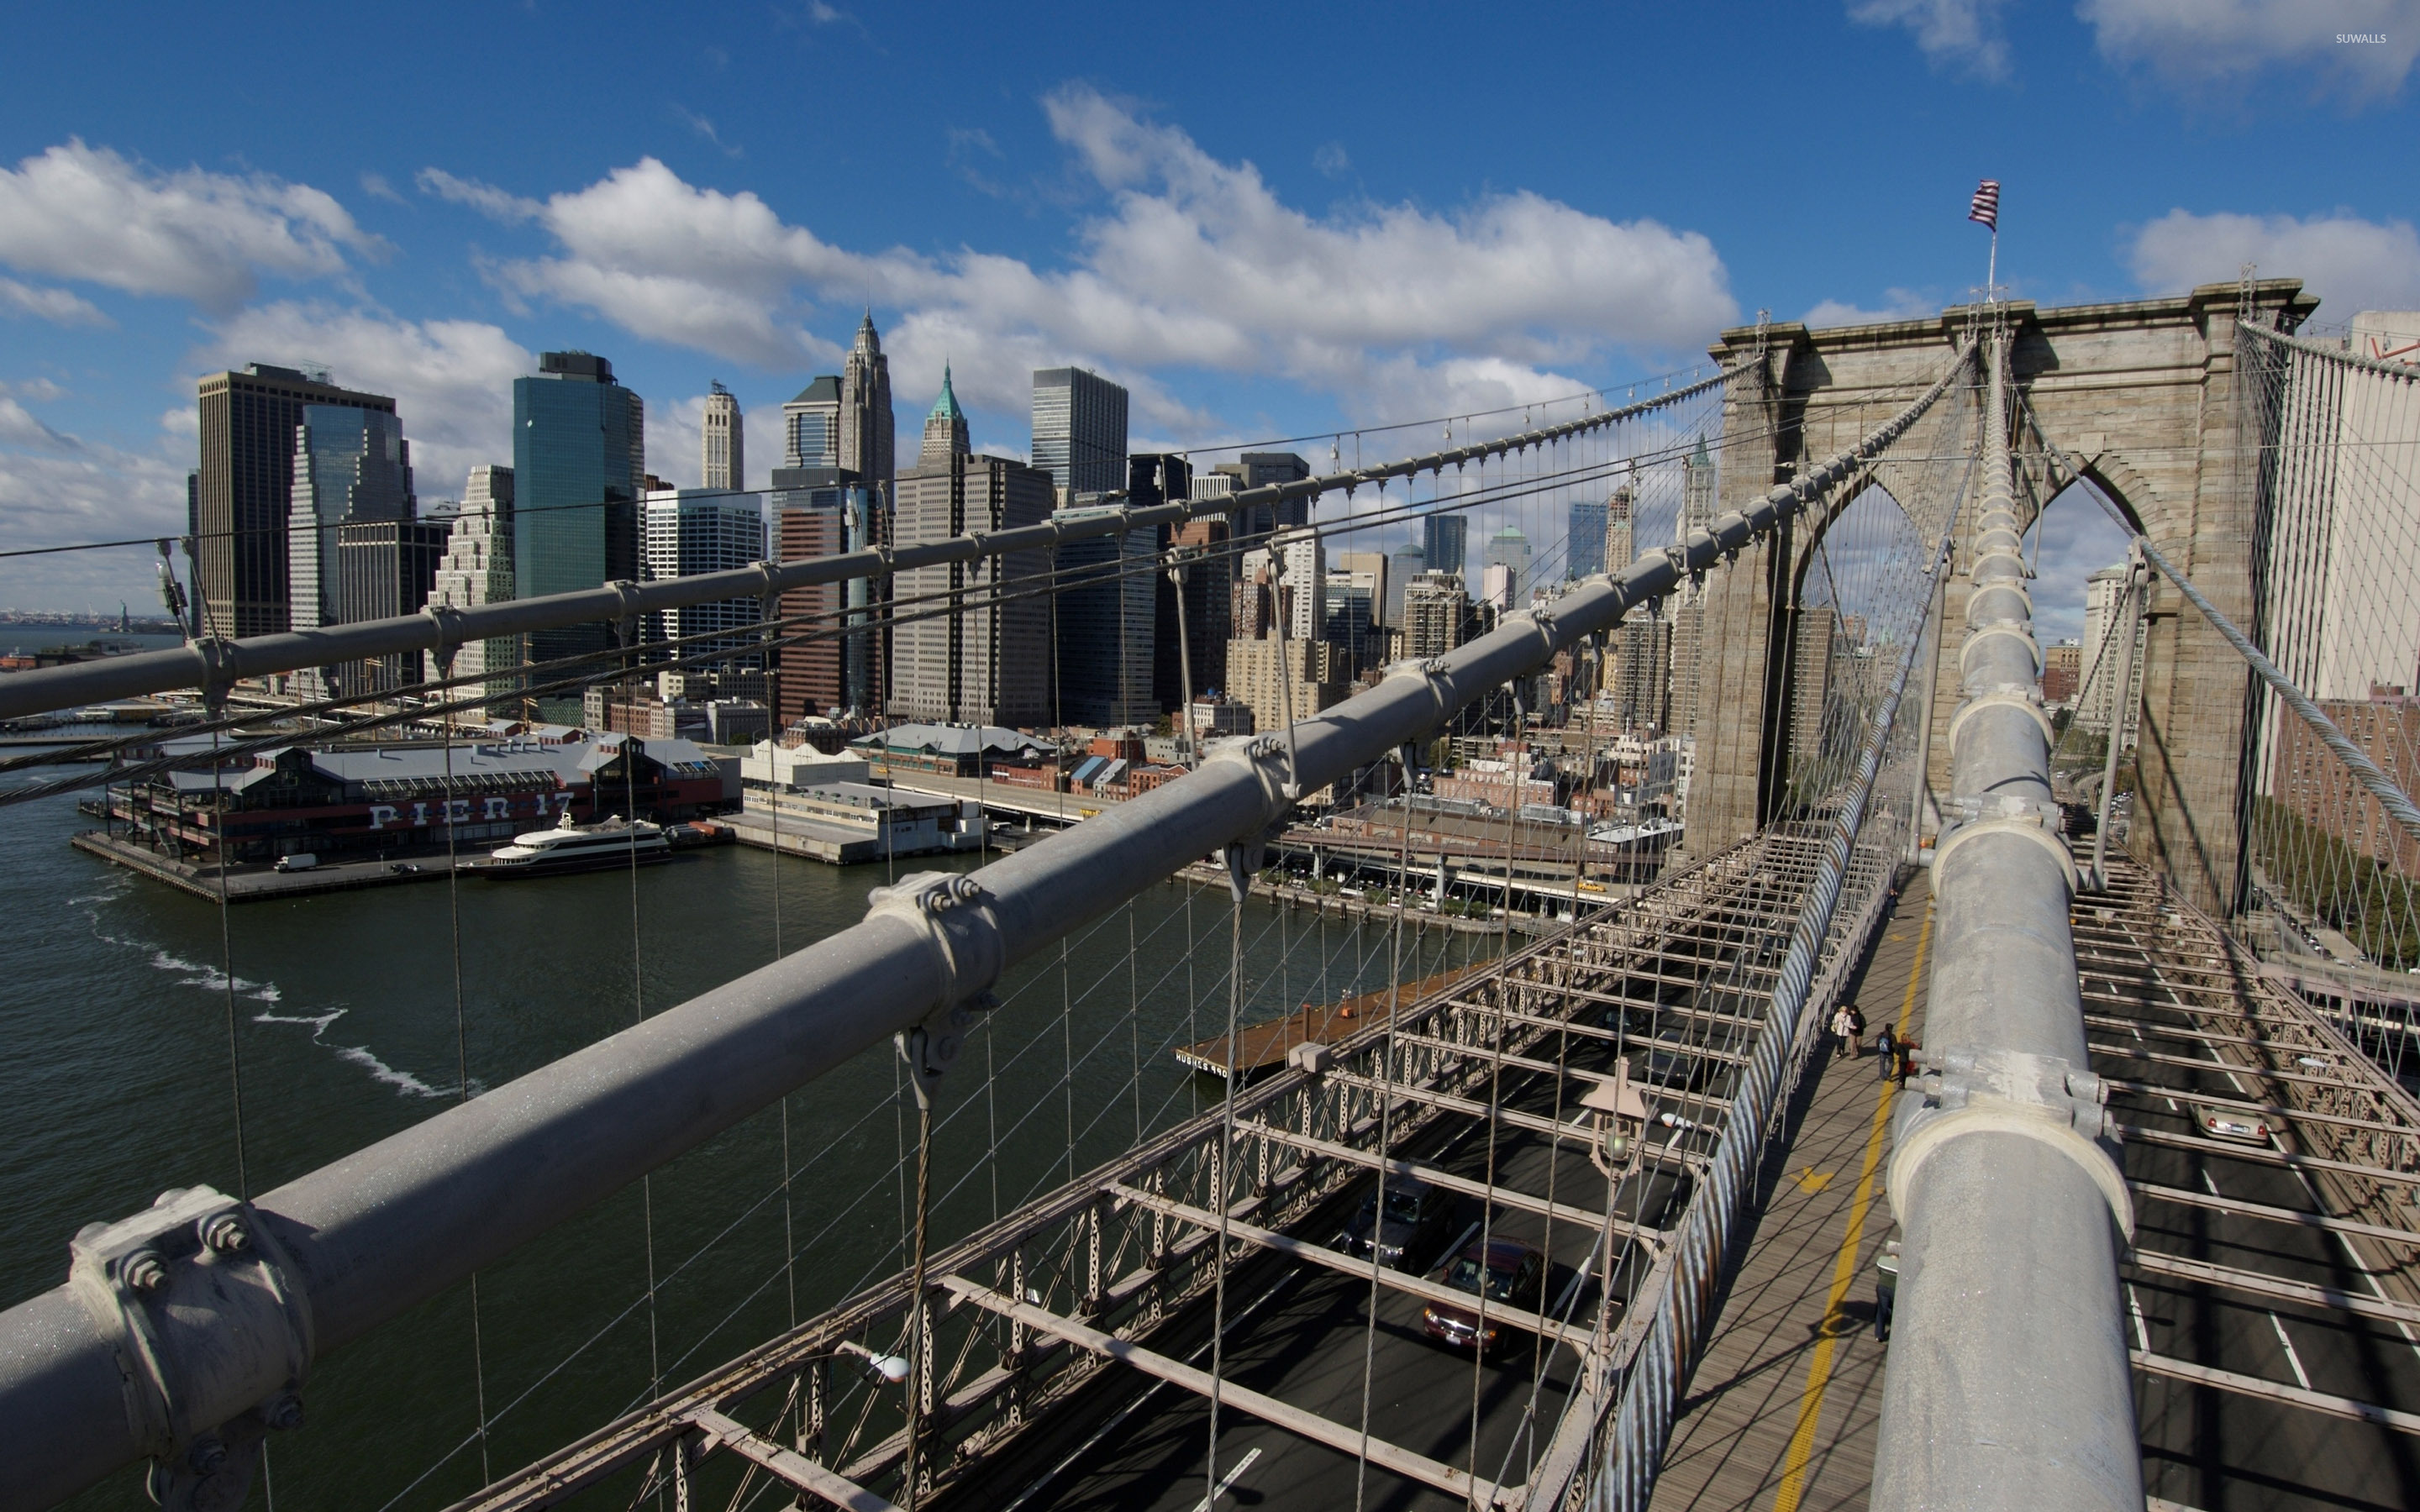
(1266,220)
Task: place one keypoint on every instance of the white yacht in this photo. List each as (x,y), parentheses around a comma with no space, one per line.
(569,847)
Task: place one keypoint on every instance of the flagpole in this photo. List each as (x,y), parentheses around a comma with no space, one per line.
(1992,269)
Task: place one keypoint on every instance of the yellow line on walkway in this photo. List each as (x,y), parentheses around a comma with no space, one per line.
(1844,1268)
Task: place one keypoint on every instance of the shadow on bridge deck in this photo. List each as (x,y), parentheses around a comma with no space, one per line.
(1782,1409)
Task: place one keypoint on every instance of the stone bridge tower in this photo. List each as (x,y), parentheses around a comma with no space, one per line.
(2142,395)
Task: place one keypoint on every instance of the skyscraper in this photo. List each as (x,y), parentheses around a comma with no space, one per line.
(1621,545)
(1642,673)
(1510,549)
(242,493)
(690,531)
(1435,606)
(1105,610)
(384,568)
(1444,542)
(1585,556)
(1255,469)
(989,659)
(579,456)
(811,425)
(868,440)
(812,666)
(1405,562)
(945,428)
(478,568)
(725,462)
(351,467)
(1079,431)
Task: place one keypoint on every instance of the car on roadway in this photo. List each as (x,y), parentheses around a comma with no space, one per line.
(2231,1123)
(1416,1215)
(1669,1059)
(1503,1270)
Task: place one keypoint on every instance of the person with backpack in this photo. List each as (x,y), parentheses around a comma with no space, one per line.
(1886,1052)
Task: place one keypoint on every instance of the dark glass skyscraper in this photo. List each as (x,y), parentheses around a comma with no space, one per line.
(1585,555)
(579,454)
(242,495)
(1445,542)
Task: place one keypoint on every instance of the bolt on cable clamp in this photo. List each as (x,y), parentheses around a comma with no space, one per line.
(213,1334)
(948,911)
(2043,1098)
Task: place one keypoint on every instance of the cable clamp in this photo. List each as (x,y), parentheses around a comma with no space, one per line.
(2007,585)
(2020,629)
(212,1332)
(2013,695)
(947,909)
(2043,1098)
(2034,825)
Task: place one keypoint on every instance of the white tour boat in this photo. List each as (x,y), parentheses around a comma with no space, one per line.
(569,847)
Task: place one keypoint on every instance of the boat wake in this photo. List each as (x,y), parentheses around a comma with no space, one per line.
(211,979)
(402,1081)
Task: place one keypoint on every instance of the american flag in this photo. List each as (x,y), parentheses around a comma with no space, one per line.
(1986,206)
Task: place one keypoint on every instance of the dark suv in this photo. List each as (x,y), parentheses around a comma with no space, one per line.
(1416,1215)
(1512,1272)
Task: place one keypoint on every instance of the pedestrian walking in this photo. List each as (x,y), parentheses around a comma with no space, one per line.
(1844,1032)
(1857,1032)
(1886,1052)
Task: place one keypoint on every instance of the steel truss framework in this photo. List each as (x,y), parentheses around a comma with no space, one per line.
(1112,1272)
(2323,1229)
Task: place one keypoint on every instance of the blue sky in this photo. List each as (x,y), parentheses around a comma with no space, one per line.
(1265,220)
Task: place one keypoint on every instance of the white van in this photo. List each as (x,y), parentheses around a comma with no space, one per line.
(300,861)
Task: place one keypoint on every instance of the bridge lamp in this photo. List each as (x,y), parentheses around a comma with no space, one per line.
(1618,1111)
(885,1368)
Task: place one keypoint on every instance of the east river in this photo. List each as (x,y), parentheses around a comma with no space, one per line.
(352,1013)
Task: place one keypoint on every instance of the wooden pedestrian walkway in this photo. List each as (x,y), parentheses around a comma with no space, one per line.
(1781,1412)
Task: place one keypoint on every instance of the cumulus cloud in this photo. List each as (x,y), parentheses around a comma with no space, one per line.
(2216,42)
(2350,263)
(57,489)
(1965,33)
(87,213)
(19,428)
(1195,262)
(54,305)
(1898,305)
(452,381)
(40,389)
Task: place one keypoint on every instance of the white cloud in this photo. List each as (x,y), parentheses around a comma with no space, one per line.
(1963,32)
(54,305)
(2350,263)
(1194,263)
(1898,305)
(88,215)
(56,490)
(452,381)
(486,199)
(2206,42)
(40,389)
(19,428)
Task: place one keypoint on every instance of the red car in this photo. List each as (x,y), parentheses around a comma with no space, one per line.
(1515,1273)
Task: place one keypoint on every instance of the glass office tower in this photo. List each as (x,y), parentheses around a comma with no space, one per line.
(579,454)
